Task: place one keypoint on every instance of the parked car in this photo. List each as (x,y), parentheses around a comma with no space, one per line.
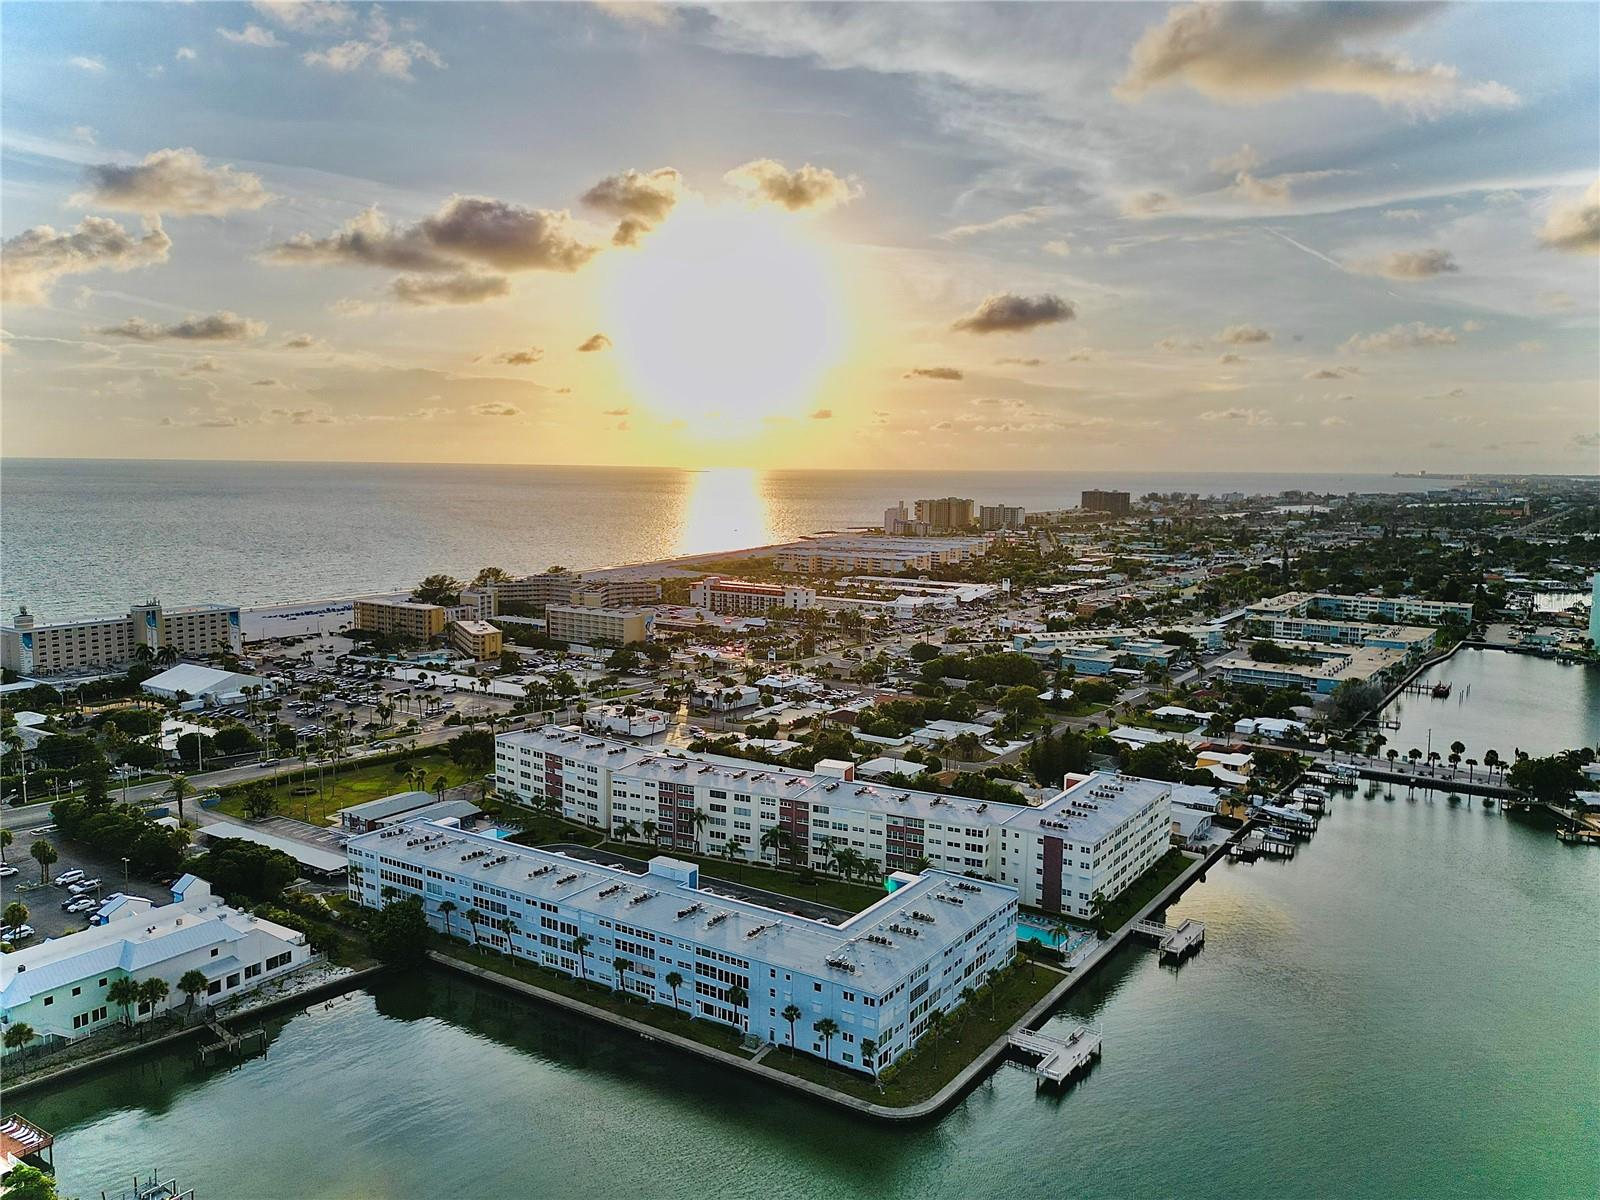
(74,904)
(84,886)
(7,870)
(17,933)
(68,877)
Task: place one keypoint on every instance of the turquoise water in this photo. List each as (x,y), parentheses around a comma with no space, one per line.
(1051,937)
(1408,1008)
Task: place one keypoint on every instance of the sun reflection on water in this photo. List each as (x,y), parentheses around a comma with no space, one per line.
(725,509)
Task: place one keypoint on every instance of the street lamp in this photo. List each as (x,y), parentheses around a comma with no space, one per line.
(124,872)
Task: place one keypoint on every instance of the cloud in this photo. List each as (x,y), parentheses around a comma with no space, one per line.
(1248,52)
(85,62)
(185,54)
(641,200)
(1408,266)
(1019,362)
(1532,347)
(300,416)
(467,287)
(1231,359)
(1332,372)
(202,366)
(377,51)
(1403,337)
(1148,204)
(1586,441)
(1250,416)
(1057,247)
(1403,214)
(466,231)
(1244,335)
(301,341)
(1010,313)
(216,327)
(1471,326)
(822,414)
(1016,220)
(176,182)
(267,383)
(593,343)
(1174,345)
(950,373)
(519,358)
(495,408)
(1574,223)
(251,35)
(808,187)
(32,261)
(1332,422)
(305,15)
(615,412)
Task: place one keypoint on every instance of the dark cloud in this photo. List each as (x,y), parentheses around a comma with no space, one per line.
(176,182)
(641,200)
(591,344)
(950,373)
(519,358)
(216,327)
(32,261)
(467,231)
(1010,313)
(496,409)
(422,291)
(808,187)
(301,341)
(822,414)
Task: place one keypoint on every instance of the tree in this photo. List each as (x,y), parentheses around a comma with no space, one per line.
(733,851)
(738,997)
(1551,780)
(828,1028)
(399,932)
(242,870)
(1097,913)
(191,983)
(579,945)
(674,981)
(17,1036)
(869,1055)
(152,992)
(6,838)
(124,993)
(936,1023)
(30,1183)
(179,789)
(792,1014)
(16,913)
(1491,758)
(1021,705)
(259,800)
(622,966)
(446,907)
(473,917)
(438,589)
(43,853)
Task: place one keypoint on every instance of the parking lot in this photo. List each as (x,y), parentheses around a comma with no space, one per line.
(44,903)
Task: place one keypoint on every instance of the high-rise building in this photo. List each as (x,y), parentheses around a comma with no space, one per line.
(31,647)
(1001,516)
(951,512)
(1118,504)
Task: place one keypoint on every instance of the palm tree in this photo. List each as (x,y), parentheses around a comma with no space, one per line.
(445,909)
(827,1028)
(869,1055)
(733,851)
(1391,754)
(967,996)
(191,983)
(166,656)
(1471,763)
(934,1028)
(473,917)
(1458,749)
(43,853)
(792,1014)
(124,993)
(627,831)
(143,655)
(439,785)
(1491,758)
(674,981)
(179,789)
(651,831)
(19,1035)
(622,966)
(738,997)
(579,945)
(16,913)
(152,992)
(1415,756)
(777,840)
(700,819)
(6,838)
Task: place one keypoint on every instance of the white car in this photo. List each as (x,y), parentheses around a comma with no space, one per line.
(81,904)
(20,933)
(66,877)
(84,886)
(7,870)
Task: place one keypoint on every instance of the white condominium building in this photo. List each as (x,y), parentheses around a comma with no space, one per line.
(31,647)
(1359,608)
(744,597)
(843,554)
(878,975)
(1098,835)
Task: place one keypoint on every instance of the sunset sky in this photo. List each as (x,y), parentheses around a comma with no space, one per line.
(1259,236)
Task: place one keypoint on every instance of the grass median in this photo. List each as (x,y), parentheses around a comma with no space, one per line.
(353,783)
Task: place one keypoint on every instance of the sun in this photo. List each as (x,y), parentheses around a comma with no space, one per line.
(725,316)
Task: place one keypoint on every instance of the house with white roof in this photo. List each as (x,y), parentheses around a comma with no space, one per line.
(58,987)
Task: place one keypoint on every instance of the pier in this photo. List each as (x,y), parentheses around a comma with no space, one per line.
(1055,1060)
(21,1139)
(230,1043)
(1271,842)
(1173,942)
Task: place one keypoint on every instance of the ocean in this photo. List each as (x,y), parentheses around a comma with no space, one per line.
(82,538)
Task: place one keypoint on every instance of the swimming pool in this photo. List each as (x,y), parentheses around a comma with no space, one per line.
(1065,941)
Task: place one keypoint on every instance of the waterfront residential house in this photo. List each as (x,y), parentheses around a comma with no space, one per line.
(878,975)
(58,987)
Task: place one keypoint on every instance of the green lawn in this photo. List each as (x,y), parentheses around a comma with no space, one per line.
(935,1061)
(598,993)
(354,785)
(822,889)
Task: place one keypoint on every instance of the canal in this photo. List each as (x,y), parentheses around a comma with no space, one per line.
(1407,1008)
(1500,701)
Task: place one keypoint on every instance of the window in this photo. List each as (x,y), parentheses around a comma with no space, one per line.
(213,951)
(49,1000)
(77,991)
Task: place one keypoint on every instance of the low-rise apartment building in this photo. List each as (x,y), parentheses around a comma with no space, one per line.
(1322,670)
(745,597)
(843,554)
(596,626)
(476,639)
(1360,608)
(59,987)
(1114,827)
(877,975)
(31,647)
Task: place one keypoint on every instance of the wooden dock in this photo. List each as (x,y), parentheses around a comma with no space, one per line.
(1055,1060)
(230,1043)
(21,1139)
(1177,942)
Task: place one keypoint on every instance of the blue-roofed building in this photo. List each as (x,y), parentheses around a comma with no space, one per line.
(59,986)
